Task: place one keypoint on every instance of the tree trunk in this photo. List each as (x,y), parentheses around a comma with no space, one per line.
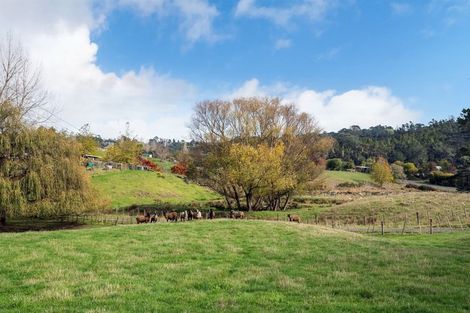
(248,197)
(283,207)
(237,198)
(3,217)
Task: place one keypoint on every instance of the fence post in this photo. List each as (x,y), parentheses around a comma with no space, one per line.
(417,218)
(404,225)
(430,226)
(382,226)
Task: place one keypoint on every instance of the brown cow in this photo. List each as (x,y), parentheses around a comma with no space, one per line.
(293,218)
(237,214)
(171,216)
(143,218)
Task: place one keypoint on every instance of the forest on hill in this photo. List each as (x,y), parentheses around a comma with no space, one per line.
(443,143)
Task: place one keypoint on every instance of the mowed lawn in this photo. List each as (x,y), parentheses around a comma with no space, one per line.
(128,187)
(232,266)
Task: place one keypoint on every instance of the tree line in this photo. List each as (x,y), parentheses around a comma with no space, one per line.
(440,143)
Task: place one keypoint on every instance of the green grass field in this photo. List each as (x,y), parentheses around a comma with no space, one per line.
(125,188)
(337,177)
(232,266)
(433,204)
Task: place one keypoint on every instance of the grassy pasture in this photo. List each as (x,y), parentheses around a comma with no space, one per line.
(334,178)
(388,206)
(129,187)
(232,266)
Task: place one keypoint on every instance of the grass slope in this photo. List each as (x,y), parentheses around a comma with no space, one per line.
(128,187)
(432,204)
(232,266)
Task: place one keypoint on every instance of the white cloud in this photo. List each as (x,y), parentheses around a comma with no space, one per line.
(197,16)
(282,44)
(313,10)
(400,8)
(59,40)
(328,55)
(365,107)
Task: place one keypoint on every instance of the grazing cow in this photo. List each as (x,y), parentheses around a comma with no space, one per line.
(211,214)
(183,216)
(153,218)
(189,215)
(237,214)
(143,218)
(198,215)
(171,216)
(293,218)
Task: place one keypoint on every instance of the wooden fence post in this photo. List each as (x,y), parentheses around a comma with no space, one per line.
(382,227)
(404,225)
(430,226)
(417,218)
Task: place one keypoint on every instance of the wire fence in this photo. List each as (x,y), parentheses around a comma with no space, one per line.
(449,221)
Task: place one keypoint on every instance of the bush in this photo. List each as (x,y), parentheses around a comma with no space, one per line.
(334,164)
(443,179)
(179,169)
(382,172)
(398,172)
(410,168)
(145,162)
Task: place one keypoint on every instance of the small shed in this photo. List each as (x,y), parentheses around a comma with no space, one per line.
(362,169)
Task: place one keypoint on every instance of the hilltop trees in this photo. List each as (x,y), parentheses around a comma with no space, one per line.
(255,152)
(88,142)
(125,149)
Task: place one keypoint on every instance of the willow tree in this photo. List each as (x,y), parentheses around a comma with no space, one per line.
(245,138)
(40,172)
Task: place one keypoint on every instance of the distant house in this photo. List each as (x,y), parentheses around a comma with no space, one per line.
(362,169)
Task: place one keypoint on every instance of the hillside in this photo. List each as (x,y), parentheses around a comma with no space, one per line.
(125,188)
(232,266)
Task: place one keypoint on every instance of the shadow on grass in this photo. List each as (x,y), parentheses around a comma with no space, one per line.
(23,225)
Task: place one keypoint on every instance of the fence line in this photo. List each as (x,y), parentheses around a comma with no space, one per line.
(380,224)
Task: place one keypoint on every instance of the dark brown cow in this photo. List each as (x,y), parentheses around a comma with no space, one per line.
(293,218)
(211,215)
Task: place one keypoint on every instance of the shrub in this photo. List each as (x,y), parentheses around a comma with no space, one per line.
(334,164)
(382,172)
(152,166)
(398,172)
(179,169)
(410,168)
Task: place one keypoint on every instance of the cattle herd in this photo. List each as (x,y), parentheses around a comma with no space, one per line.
(188,215)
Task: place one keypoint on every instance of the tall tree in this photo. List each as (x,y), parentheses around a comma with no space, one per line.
(40,173)
(237,137)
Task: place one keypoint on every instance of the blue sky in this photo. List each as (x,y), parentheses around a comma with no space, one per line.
(383,62)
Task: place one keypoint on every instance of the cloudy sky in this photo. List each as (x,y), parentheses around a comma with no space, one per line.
(147,62)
